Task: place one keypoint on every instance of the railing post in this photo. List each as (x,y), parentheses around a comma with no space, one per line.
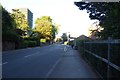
(84,49)
(90,51)
(108,56)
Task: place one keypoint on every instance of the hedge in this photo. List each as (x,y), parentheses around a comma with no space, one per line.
(27,43)
(10,36)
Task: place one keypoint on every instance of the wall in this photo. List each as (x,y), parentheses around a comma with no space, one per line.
(7,45)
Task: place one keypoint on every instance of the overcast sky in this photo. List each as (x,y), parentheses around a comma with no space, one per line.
(63,12)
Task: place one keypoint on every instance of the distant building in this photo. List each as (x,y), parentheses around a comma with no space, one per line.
(28,15)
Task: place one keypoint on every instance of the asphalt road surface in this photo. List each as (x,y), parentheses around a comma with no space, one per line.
(53,61)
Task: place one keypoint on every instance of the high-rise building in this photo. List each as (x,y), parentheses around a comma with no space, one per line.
(28,15)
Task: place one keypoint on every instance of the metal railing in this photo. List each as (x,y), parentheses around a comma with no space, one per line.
(107,51)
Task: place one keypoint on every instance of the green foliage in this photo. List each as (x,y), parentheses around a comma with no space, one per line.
(7,21)
(10,36)
(27,43)
(80,45)
(15,27)
(101,49)
(20,21)
(31,43)
(64,37)
(59,40)
(43,40)
(33,38)
(44,28)
(8,28)
(54,30)
(71,43)
(115,53)
(108,15)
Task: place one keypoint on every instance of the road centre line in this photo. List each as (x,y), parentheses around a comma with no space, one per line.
(33,54)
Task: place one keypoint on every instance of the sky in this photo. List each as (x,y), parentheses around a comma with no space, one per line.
(63,12)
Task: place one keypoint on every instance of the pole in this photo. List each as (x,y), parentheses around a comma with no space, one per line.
(108,67)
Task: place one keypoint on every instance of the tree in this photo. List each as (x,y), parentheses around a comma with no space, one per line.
(44,28)
(108,15)
(7,21)
(58,39)
(64,37)
(8,28)
(55,29)
(94,30)
(20,22)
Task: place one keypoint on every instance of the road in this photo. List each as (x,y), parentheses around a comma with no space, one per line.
(53,61)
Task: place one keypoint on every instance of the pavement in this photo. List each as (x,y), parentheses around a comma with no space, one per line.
(71,65)
(53,61)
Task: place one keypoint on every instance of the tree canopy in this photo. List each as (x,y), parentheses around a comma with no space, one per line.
(45,28)
(20,21)
(8,27)
(64,37)
(108,15)
(7,21)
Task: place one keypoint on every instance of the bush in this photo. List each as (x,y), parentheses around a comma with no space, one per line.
(80,45)
(31,43)
(31,38)
(10,36)
(35,39)
(27,43)
(71,43)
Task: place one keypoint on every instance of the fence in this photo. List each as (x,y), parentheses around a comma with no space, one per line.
(104,56)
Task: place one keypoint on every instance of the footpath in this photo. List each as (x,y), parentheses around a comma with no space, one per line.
(71,65)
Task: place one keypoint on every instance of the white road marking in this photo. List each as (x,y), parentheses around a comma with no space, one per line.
(28,48)
(4,63)
(27,56)
(53,67)
(32,54)
(65,48)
